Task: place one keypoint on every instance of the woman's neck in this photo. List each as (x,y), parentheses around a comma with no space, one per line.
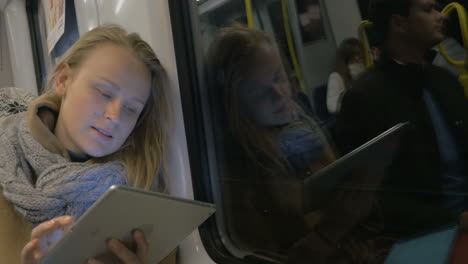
(77,157)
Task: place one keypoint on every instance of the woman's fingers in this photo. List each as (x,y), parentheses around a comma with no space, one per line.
(66,222)
(122,252)
(63,221)
(50,232)
(30,254)
(44,228)
(42,237)
(142,246)
(126,255)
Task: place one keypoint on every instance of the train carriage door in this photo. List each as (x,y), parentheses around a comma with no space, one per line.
(16,54)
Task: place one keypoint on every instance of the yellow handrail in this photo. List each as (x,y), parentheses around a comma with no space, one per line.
(365,47)
(460,65)
(248,10)
(292,50)
(464,28)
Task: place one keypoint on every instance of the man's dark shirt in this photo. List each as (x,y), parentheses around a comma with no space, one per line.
(411,198)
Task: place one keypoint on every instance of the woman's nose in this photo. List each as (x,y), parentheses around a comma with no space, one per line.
(113,110)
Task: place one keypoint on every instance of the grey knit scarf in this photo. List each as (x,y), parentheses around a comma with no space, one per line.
(42,185)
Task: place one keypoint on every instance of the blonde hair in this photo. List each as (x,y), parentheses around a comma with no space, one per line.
(143,153)
(229,54)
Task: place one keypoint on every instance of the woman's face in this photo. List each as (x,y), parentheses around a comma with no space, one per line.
(101,100)
(265,93)
(356,57)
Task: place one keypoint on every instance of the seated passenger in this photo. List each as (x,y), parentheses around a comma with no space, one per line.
(426,184)
(98,124)
(348,66)
(270,146)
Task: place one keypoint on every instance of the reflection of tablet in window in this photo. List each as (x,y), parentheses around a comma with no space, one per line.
(430,248)
(165,220)
(376,155)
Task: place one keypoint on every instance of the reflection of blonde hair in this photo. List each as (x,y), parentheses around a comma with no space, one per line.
(229,56)
(143,153)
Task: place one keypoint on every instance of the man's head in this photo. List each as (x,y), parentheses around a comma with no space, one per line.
(416,21)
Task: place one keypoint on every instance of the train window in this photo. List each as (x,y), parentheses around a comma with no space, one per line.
(45,61)
(255,80)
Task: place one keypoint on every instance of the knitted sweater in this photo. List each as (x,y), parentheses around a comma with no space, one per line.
(36,174)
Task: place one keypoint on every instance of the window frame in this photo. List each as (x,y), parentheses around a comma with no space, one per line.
(44,61)
(32,11)
(190,76)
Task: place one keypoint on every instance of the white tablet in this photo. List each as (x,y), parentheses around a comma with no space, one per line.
(165,220)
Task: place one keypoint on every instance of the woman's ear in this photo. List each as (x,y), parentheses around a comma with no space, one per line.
(62,78)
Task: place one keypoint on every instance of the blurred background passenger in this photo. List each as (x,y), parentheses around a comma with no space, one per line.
(348,66)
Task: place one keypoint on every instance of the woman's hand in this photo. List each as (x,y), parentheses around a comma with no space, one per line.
(123,254)
(43,237)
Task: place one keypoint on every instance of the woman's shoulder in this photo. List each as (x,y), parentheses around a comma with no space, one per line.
(335,81)
(334,76)
(301,142)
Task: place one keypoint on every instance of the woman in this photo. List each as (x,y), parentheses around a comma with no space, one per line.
(348,66)
(101,122)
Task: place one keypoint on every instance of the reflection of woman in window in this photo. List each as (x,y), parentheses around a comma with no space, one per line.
(348,66)
(259,110)
(270,143)
(270,146)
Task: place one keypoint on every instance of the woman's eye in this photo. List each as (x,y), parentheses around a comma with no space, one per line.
(103,93)
(108,96)
(130,109)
